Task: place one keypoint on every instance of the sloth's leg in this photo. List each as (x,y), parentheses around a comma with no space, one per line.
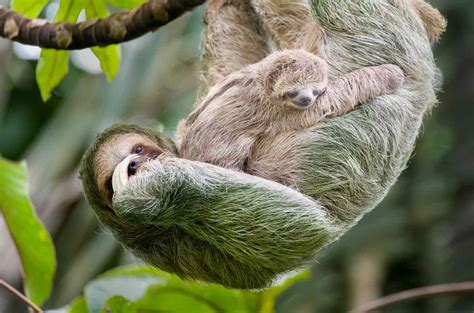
(360,86)
(232,40)
(290,24)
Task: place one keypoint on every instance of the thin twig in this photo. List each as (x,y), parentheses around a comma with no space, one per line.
(465,287)
(116,28)
(10,288)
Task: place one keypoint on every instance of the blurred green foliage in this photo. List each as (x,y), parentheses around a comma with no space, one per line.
(422,234)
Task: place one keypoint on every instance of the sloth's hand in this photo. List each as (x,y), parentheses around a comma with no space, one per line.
(123,171)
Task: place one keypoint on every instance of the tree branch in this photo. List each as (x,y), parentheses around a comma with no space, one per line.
(116,28)
(12,290)
(466,287)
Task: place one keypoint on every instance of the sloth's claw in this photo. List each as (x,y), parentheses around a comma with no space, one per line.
(120,175)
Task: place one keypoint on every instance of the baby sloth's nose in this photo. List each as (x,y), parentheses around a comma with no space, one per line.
(134,165)
(303,97)
(304,101)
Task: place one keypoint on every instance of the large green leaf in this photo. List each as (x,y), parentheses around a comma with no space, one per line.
(142,288)
(109,56)
(33,242)
(29,8)
(126,4)
(53,65)
(131,288)
(151,290)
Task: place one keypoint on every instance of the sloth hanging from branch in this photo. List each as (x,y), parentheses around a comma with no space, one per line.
(274,162)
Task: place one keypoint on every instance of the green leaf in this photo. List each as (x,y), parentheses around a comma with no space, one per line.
(33,242)
(29,8)
(53,65)
(268,297)
(79,305)
(141,288)
(132,288)
(119,304)
(109,57)
(69,10)
(152,290)
(126,4)
(51,69)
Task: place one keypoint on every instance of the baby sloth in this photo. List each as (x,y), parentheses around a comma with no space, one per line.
(286,92)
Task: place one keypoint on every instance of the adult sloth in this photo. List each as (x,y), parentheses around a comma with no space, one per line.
(208,223)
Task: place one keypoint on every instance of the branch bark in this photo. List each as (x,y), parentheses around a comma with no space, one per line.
(116,28)
(455,288)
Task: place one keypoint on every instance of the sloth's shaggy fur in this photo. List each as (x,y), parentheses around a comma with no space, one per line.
(208,223)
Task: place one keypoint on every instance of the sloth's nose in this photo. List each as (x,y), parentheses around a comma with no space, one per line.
(134,165)
(304,101)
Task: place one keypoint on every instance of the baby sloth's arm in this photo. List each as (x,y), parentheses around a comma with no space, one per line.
(347,91)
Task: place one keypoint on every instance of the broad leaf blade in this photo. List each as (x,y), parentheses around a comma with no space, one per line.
(51,69)
(131,288)
(53,65)
(109,57)
(148,289)
(33,242)
(29,8)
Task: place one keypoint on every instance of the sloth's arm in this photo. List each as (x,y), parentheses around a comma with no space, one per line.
(234,212)
(232,40)
(290,24)
(360,86)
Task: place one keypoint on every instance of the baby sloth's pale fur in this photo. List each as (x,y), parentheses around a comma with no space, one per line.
(252,105)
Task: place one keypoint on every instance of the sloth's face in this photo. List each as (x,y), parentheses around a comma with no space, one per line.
(298,78)
(121,157)
(304,96)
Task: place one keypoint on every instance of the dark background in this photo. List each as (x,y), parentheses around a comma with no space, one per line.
(422,234)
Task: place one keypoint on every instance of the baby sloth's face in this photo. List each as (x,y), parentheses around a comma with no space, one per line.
(300,78)
(305,95)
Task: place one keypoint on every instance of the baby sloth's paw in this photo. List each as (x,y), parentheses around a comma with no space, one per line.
(303,97)
(395,77)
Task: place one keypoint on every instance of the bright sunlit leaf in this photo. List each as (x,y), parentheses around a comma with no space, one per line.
(33,242)
(53,65)
(109,56)
(29,8)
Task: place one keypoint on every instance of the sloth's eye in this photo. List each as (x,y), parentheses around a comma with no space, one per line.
(138,149)
(292,94)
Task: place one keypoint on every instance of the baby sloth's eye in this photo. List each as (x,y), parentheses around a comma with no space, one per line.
(138,149)
(292,94)
(318,92)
